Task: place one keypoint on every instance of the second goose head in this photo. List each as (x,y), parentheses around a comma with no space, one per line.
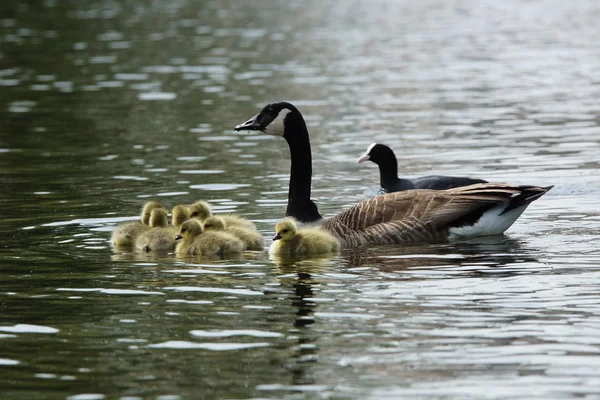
(385,159)
(380,154)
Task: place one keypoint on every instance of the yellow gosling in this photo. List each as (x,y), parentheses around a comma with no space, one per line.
(179,215)
(251,238)
(126,234)
(202,210)
(159,236)
(194,241)
(290,241)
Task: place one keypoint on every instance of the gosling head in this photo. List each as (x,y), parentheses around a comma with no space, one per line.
(214,223)
(200,210)
(285,230)
(158,218)
(189,230)
(274,119)
(379,154)
(148,207)
(179,215)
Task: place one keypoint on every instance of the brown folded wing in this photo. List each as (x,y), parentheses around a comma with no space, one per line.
(418,215)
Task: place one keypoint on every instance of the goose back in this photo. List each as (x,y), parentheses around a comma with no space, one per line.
(427,215)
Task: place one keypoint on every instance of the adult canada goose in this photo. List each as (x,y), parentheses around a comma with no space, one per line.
(252,240)
(202,210)
(192,240)
(126,234)
(385,159)
(400,217)
(159,236)
(291,241)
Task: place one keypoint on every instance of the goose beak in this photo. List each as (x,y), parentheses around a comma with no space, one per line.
(250,125)
(363,158)
(178,237)
(276,237)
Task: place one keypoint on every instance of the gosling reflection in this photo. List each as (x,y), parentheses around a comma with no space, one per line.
(303,277)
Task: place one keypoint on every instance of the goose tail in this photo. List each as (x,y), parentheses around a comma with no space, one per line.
(527,196)
(495,220)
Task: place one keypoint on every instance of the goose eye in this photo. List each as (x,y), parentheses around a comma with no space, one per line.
(183,230)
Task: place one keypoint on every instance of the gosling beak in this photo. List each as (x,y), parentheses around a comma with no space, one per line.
(250,125)
(178,237)
(363,158)
(277,237)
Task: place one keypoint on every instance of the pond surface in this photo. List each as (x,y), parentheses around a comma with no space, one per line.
(105,105)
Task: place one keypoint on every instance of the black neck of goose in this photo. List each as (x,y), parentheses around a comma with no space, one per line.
(300,206)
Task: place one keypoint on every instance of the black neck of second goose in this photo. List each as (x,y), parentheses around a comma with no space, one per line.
(388,171)
(300,206)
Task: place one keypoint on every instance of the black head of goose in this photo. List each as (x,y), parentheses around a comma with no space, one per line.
(393,218)
(385,159)
(284,119)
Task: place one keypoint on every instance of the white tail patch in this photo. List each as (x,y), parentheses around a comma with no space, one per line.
(491,222)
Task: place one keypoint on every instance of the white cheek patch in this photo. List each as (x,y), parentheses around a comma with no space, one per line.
(277,127)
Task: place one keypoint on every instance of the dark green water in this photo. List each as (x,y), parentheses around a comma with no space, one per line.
(104,105)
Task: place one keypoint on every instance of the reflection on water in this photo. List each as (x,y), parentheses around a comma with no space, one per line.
(106,105)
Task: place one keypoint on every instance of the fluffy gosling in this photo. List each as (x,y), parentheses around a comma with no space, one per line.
(159,236)
(179,215)
(126,234)
(192,240)
(252,239)
(290,241)
(202,210)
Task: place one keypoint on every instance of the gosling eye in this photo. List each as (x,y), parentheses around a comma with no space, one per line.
(195,213)
(285,231)
(183,230)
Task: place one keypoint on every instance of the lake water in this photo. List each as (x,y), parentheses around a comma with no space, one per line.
(105,105)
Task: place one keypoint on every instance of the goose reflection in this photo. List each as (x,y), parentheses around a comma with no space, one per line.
(476,254)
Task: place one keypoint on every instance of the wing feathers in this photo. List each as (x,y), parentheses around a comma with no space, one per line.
(423,215)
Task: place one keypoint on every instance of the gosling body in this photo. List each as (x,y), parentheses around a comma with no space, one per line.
(201,210)
(179,215)
(159,236)
(126,234)
(192,240)
(290,241)
(251,238)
